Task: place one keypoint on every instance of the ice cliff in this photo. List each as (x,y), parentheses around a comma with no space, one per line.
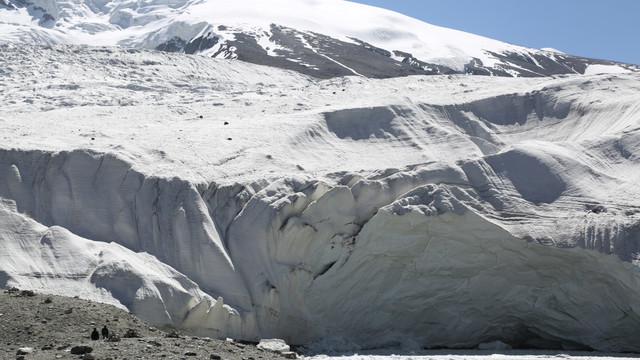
(433,212)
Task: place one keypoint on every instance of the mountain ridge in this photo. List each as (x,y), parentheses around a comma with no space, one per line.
(305,36)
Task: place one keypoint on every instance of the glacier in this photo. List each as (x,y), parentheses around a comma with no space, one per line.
(235,200)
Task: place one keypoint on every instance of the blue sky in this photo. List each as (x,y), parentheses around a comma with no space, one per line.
(602,29)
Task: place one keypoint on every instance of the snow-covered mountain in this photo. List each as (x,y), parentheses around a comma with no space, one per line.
(324,39)
(239,200)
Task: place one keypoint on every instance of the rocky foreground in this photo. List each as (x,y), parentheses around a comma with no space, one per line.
(40,326)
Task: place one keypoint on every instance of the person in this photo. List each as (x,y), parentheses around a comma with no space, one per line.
(105,332)
(95,335)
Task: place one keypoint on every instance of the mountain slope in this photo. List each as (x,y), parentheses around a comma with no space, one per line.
(324,39)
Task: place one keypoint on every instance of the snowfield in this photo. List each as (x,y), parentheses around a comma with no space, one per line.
(236,200)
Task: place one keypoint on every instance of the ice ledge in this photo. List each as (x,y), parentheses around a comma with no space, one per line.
(410,254)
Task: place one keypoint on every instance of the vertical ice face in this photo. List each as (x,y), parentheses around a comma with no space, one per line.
(100,197)
(449,277)
(412,256)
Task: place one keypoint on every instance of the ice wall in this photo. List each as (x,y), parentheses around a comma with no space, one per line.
(424,255)
(100,197)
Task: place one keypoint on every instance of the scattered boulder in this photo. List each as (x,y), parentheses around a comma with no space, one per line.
(274,345)
(596,209)
(131,333)
(27,293)
(81,349)
(25,351)
(173,334)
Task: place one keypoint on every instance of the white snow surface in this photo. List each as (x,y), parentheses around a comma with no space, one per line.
(151,22)
(554,50)
(594,69)
(234,200)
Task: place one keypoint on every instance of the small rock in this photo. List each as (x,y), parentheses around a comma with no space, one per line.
(274,345)
(154,343)
(20,357)
(215,357)
(81,349)
(190,354)
(27,293)
(47,347)
(226,123)
(48,300)
(68,311)
(25,351)
(131,333)
(88,357)
(113,338)
(289,355)
(62,347)
(173,334)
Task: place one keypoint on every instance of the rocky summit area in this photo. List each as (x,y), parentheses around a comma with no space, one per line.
(40,326)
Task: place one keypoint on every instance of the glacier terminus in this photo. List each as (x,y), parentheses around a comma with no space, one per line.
(235,169)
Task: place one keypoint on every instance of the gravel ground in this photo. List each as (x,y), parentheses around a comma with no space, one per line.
(53,326)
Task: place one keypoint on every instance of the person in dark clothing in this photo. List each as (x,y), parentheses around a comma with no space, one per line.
(105,332)
(95,335)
